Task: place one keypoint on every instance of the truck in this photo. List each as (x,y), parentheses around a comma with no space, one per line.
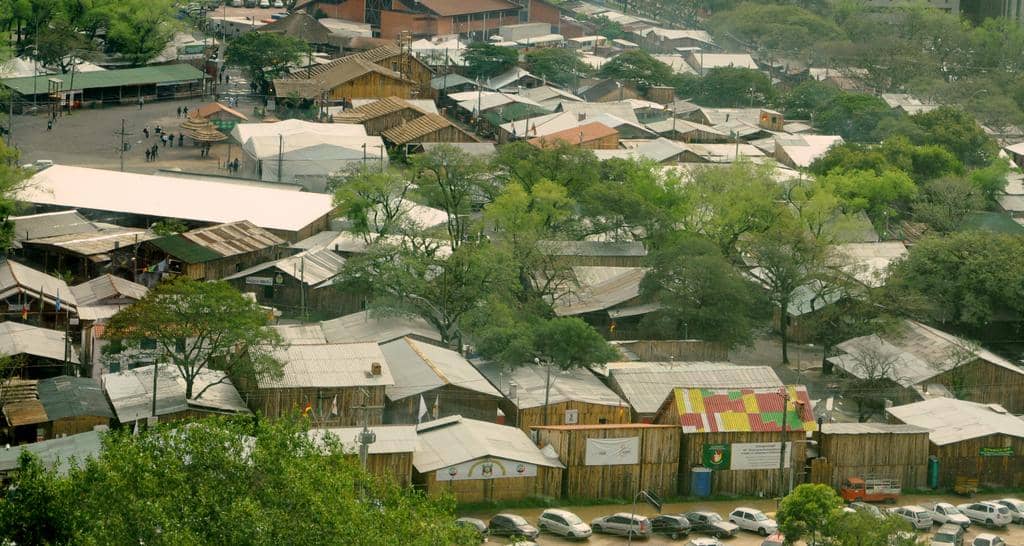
(870,489)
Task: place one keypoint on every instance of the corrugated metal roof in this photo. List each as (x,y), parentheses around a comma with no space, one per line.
(374,55)
(390,438)
(131,393)
(376,109)
(107,287)
(56,453)
(95,245)
(16,278)
(367,326)
(66,396)
(107,78)
(646,385)
(330,365)
(870,428)
(24,408)
(576,136)
(918,353)
(620,109)
(301,334)
(51,224)
(233,238)
(743,410)
(951,420)
(185,250)
(312,267)
(453,440)
(17,338)
(599,288)
(419,367)
(578,385)
(420,127)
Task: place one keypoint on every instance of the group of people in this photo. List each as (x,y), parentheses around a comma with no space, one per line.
(183,111)
(152,153)
(232,166)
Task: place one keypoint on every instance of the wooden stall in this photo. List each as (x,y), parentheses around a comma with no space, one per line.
(589,453)
(871,449)
(996,460)
(381,115)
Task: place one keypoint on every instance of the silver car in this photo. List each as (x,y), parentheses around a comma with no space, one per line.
(944,512)
(1016,507)
(918,517)
(753,520)
(563,523)
(624,524)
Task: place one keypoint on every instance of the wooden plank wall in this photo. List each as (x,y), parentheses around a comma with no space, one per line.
(452,400)
(501,489)
(679,350)
(76,425)
(658,468)
(963,459)
(589,414)
(988,384)
(372,85)
(274,403)
(377,125)
(902,456)
(738,482)
(396,465)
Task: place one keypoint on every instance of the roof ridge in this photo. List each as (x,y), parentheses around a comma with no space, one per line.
(430,363)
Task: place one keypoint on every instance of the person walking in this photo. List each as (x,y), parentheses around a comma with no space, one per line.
(179,111)
(181,140)
(148,155)
(227,78)
(155,150)
(170,140)
(49,125)
(184,110)
(145,131)
(234,165)
(140,103)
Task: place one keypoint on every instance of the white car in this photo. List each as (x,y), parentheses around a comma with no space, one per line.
(989,513)
(986,539)
(265,4)
(918,517)
(943,512)
(750,519)
(1016,507)
(624,524)
(563,523)
(236,3)
(278,4)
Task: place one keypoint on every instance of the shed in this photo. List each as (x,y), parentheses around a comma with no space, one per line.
(738,434)
(299,284)
(971,440)
(593,136)
(70,405)
(333,381)
(50,224)
(871,449)
(576,396)
(84,255)
(915,356)
(599,292)
(34,293)
(37,352)
(609,91)
(114,86)
(346,78)
(380,115)
(130,393)
(427,128)
(103,296)
(437,379)
(223,117)
(645,385)
(477,461)
(389,455)
(58,453)
(615,461)
(364,326)
(799,151)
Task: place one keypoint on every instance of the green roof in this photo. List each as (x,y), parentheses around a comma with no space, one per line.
(991,221)
(513,112)
(145,75)
(185,250)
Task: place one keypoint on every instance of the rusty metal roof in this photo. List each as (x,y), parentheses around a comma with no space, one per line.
(233,238)
(743,410)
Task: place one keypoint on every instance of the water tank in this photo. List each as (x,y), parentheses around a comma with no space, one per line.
(700,482)
(933,472)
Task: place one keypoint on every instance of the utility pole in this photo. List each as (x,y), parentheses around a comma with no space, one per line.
(123,134)
(782,443)
(280,156)
(547,386)
(366,436)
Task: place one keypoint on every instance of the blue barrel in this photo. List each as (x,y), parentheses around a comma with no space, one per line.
(933,472)
(700,482)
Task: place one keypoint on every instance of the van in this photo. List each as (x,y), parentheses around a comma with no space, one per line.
(949,534)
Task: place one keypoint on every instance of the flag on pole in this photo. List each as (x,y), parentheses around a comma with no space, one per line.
(306,410)
(57,303)
(423,409)
(334,405)
(437,400)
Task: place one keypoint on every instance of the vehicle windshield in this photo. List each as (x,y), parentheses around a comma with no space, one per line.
(1003,510)
(571,519)
(517,520)
(758,516)
(714,518)
(951,510)
(944,537)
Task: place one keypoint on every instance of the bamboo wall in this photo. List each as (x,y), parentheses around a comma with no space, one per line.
(328,301)
(275,403)
(963,459)
(678,350)
(451,400)
(658,469)
(372,85)
(500,489)
(739,482)
(900,456)
(589,414)
(987,383)
(396,465)
(75,425)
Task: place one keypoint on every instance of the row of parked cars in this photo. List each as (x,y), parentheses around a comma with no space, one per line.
(675,526)
(955,519)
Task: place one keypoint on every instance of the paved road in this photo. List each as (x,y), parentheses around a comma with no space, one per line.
(1013,535)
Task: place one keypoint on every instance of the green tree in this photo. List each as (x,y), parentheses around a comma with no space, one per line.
(455,182)
(373,201)
(571,343)
(991,180)
(884,197)
(860,528)
(734,87)
(222,481)
(806,98)
(198,326)
(638,68)
(59,45)
(854,116)
(264,56)
(807,511)
(139,30)
(958,132)
(560,66)
(12,180)
(780,27)
(699,292)
(604,26)
(485,60)
(945,202)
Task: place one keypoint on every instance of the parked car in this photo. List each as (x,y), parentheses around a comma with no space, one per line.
(869,508)
(989,513)
(777,539)
(674,526)
(1016,507)
(750,519)
(278,4)
(511,525)
(949,534)
(563,523)
(943,512)
(265,4)
(236,3)
(624,524)
(712,524)
(918,517)
(704,541)
(986,539)
(473,523)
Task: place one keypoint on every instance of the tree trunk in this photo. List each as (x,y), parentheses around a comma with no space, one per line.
(189,383)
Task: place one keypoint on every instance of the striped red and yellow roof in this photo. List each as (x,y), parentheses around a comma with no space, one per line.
(743,410)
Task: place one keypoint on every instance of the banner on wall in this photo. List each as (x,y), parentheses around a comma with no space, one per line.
(751,456)
(486,469)
(612,451)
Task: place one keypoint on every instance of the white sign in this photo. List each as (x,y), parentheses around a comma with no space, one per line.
(760,456)
(611,451)
(572,416)
(486,469)
(260,281)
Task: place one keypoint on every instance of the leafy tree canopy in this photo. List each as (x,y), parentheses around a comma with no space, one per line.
(854,116)
(485,60)
(558,65)
(778,27)
(638,68)
(733,87)
(807,510)
(264,56)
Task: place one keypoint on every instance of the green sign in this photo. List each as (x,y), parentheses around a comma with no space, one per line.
(716,456)
(996,452)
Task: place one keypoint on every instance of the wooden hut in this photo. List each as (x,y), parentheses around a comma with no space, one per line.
(347,78)
(971,440)
(426,128)
(477,461)
(436,379)
(35,352)
(737,433)
(208,253)
(338,385)
(380,115)
(615,461)
(130,393)
(575,397)
(223,117)
(300,284)
(35,294)
(364,326)
(390,454)
(871,449)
